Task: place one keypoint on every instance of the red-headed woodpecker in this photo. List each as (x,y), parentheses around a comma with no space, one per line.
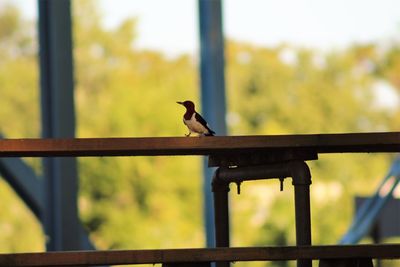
(194,121)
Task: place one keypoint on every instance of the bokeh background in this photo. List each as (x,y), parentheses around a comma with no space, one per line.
(291,67)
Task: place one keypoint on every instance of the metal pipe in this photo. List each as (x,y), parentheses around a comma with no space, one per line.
(302,181)
(239,174)
(220,190)
(221,218)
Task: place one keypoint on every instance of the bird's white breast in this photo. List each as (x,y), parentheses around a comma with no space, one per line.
(195,126)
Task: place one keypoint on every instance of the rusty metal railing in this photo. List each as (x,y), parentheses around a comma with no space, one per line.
(200,255)
(226,145)
(238,158)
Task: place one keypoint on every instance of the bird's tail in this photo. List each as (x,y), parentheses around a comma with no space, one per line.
(210,133)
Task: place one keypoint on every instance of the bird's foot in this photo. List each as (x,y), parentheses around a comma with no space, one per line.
(187,135)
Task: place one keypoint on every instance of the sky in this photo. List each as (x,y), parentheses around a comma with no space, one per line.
(171,26)
(322,24)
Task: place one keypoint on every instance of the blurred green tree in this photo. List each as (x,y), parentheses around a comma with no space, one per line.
(121,91)
(19,117)
(156,202)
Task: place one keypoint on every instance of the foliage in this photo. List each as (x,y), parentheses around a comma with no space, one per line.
(19,92)
(296,90)
(156,202)
(19,117)
(136,202)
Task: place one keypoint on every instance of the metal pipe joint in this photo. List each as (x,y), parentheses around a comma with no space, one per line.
(218,184)
(298,170)
(301,179)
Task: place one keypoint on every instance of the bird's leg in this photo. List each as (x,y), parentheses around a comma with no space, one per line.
(187,135)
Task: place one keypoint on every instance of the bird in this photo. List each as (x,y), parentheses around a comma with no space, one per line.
(194,121)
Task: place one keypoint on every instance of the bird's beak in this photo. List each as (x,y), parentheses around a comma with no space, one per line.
(180,103)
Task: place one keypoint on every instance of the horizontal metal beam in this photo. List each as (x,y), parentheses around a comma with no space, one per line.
(318,143)
(90,258)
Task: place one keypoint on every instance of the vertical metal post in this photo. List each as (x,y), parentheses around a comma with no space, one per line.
(212,90)
(302,181)
(220,190)
(221,206)
(56,75)
(221,216)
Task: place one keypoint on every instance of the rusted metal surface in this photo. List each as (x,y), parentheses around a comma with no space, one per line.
(91,258)
(318,143)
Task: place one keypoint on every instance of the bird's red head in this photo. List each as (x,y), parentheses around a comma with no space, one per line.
(189,105)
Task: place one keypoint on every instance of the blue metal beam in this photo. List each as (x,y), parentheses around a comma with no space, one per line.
(368,213)
(212,91)
(61,221)
(24,182)
(30,188)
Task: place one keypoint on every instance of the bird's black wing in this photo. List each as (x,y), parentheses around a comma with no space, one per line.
(203,122)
